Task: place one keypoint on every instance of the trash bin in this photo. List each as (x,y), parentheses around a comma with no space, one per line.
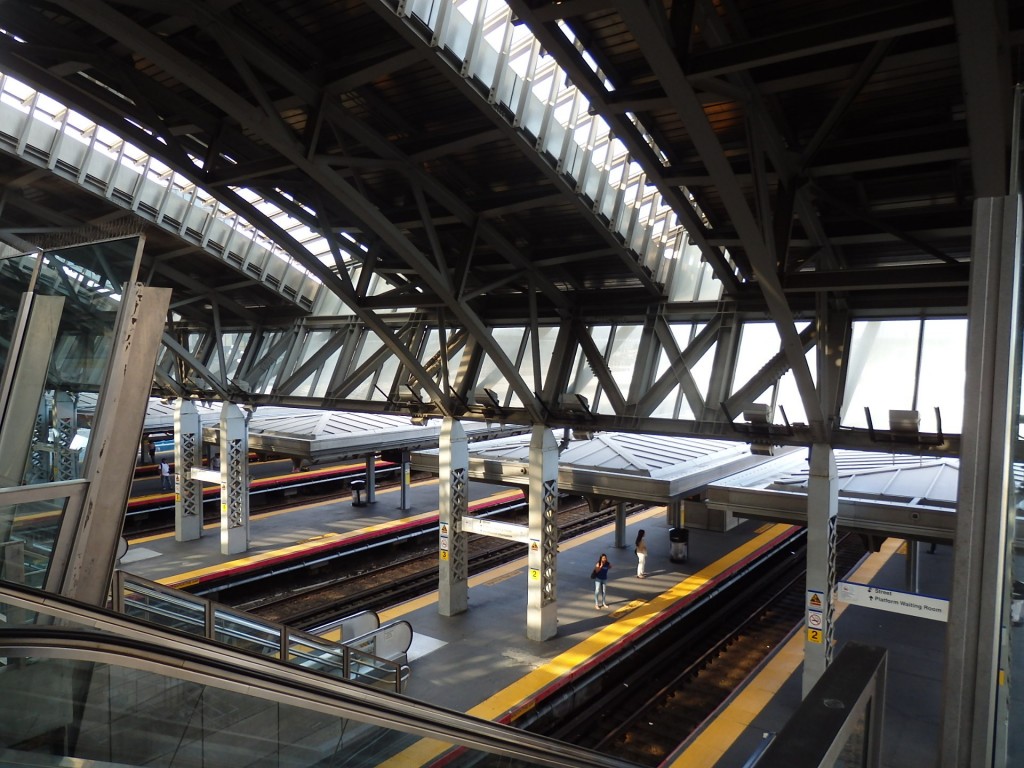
(679,545)
(357,487)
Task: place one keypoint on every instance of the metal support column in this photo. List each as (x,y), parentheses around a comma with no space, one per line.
(234,480)
(371,478)
(453,504)
(974,695)
(912,565)
(822,512)
(542,590)
(674,514)
(110,461)
(188,491)
(65,425)
(403,503)
(620,525)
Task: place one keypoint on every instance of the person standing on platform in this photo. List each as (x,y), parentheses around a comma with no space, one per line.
(151,450)
(600,577)
(165,475)
(641,555)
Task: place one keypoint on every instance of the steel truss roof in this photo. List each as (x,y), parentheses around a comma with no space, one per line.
(823,158)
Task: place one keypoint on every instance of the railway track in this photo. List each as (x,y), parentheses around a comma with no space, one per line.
(643,710)
(154,515)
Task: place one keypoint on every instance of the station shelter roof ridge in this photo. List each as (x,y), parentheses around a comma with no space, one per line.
(320,435)
(325,435)
(879,494)
(893,478)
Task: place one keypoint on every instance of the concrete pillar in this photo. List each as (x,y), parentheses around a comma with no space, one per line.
(188,491)
(822,511)
(234,480)
(542,594)
(453,504)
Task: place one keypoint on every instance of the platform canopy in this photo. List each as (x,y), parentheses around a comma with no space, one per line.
(619,465)
(327,435)
(310,434)
(879,494)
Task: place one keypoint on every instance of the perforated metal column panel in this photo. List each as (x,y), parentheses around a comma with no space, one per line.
(453,504)
(822,514)
(64,423)
(188,502)
(234,480)
(542,590)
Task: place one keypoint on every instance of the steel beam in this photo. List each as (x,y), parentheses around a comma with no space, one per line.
(986,502)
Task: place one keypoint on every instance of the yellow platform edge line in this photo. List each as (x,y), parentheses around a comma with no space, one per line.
(706,748)
(190,577)
(518,698)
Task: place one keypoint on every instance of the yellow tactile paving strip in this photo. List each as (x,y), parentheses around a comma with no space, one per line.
(521,696)
(708,746)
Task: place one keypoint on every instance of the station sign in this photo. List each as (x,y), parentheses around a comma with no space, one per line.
(907,603)
(508,531)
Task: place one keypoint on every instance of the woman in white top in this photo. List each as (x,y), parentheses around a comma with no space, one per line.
(641,555)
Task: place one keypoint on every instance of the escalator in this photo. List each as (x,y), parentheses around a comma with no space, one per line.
(82,686)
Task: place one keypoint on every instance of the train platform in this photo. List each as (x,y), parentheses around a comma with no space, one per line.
(301,530)
(482,663)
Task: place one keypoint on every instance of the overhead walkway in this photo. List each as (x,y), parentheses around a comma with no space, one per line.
(85,685)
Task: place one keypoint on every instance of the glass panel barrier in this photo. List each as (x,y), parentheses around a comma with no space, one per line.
(27,546)
(245,633)
(90,279)
(179,611)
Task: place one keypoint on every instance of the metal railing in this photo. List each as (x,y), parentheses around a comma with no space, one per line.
(374,656)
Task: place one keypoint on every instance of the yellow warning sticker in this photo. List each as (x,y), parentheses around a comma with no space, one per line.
(534,574)
(814,636)
(444,554)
